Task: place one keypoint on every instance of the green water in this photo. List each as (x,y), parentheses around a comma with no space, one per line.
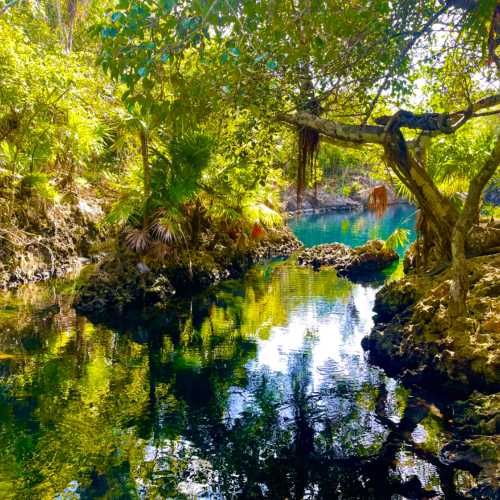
(258,388)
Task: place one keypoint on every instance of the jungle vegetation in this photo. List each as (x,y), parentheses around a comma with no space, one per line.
(189,114)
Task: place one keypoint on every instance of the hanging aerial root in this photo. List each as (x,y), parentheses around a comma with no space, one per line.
(308,145)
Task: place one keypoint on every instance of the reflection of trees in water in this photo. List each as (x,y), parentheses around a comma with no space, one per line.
(276,447)
(142,407)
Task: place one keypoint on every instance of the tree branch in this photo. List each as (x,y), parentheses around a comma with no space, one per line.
(354,134)
(445,123)
(413,40)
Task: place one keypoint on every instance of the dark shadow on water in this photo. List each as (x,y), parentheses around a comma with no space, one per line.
(258,388)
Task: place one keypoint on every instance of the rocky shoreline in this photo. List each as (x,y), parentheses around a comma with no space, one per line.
(413,337)
(52,243)
(457,363)
(123,280)
(325,200)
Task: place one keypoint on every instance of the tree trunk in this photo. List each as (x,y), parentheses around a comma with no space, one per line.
(459,286)
(438,210)
(146,172)
(70,24)
(460,283)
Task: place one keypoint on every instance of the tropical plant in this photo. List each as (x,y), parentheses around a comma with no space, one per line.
(399,238)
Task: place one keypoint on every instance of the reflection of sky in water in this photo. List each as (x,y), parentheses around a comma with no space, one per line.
(183,390)
(323,335)
(318,347)
(332,331)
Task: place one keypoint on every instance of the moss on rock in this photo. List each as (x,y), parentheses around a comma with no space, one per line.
(413,335)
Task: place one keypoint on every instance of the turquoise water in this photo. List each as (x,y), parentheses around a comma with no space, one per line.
(353,228)
(258,388)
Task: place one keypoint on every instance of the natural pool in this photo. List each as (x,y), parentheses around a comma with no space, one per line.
(258,388)
(354,228)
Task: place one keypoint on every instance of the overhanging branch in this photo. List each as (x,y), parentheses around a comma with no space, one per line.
(445,123)
(354,134)
(428,123)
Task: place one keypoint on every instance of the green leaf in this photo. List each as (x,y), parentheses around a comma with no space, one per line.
(399,238)
(116,16)
(319,42)
(272,65)
(167,5)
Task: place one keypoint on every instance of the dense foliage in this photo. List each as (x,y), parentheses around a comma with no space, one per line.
(175,112)
(184,121)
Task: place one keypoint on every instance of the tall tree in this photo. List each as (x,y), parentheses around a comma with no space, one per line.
(361,60)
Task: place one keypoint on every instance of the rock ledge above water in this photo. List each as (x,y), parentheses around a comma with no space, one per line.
(347,261)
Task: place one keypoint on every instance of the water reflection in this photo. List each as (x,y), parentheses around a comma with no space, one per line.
(257,389)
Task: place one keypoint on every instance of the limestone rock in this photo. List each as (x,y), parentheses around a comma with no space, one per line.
(347,261)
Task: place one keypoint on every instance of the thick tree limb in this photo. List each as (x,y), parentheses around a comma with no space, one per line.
(376,134)
(439,122)
(355,134)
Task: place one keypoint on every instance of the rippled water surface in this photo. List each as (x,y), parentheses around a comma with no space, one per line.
(256,389)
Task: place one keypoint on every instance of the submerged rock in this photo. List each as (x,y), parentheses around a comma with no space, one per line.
(347,261)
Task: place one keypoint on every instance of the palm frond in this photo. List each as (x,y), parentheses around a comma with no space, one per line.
(191,150)
(162,232)
(399,238)
(127,210)
(138,240)
(258,213)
